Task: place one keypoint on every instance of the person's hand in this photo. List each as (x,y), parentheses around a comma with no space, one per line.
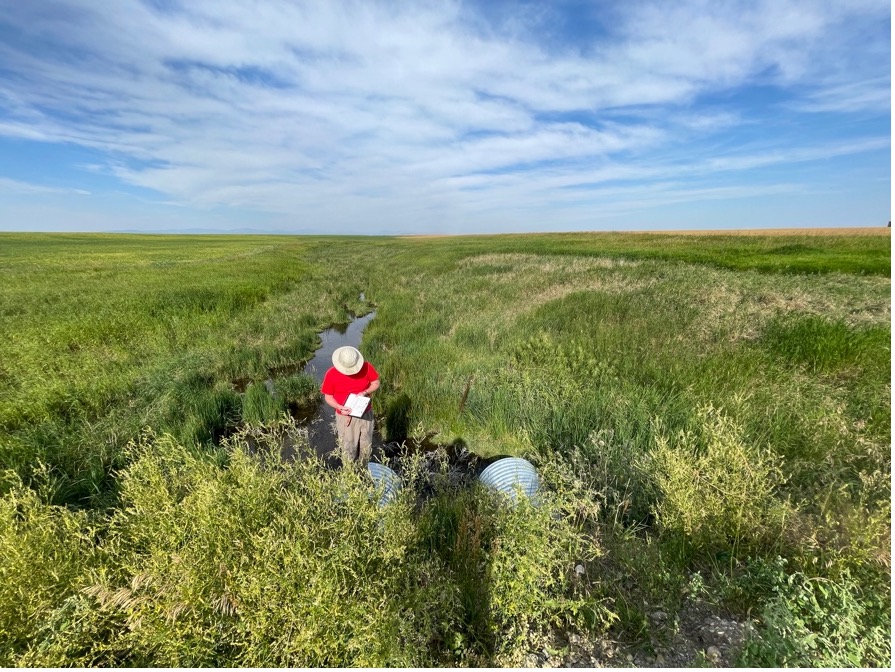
(345,410)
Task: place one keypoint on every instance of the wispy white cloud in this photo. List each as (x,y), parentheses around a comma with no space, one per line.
(406,111)
(28,188)
(872,96)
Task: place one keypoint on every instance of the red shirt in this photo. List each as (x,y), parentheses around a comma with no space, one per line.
(340,386)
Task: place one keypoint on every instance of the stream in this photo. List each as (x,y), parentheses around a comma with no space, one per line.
(319,420)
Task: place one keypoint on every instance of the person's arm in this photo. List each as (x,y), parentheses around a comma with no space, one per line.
(372,387)
(331,401)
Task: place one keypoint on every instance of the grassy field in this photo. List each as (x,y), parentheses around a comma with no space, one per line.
(711,414)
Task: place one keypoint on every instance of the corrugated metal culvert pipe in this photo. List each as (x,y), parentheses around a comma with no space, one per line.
(386,482)
(505,474)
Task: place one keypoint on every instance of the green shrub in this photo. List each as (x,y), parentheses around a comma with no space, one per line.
(44,551)
(820,622)
(716,491)
(531,577)
(76,634)
(251,566)
(234,558)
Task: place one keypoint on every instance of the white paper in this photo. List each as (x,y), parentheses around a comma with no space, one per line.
(358,404)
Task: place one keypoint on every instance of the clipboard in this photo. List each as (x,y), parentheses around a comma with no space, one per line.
(358,405)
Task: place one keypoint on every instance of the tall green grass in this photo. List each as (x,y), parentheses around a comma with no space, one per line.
(104,335)
(595,356)
(822,345)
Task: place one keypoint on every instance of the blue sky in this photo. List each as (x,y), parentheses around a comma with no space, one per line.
(443,117)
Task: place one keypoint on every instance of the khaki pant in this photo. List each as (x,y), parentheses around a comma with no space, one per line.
(358,433)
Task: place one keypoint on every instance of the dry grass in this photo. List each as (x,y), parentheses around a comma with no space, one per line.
(542,279)
(545,264)
(741,304)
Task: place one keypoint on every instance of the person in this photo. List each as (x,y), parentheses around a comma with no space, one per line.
(351,374)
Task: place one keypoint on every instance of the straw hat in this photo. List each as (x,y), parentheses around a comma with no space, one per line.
(347,360)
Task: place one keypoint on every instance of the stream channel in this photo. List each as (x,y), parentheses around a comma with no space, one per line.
(320,420)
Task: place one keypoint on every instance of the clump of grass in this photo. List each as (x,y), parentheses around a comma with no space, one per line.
(824,345)
(299,389)
(397,418)
(196,410)
(259,406)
